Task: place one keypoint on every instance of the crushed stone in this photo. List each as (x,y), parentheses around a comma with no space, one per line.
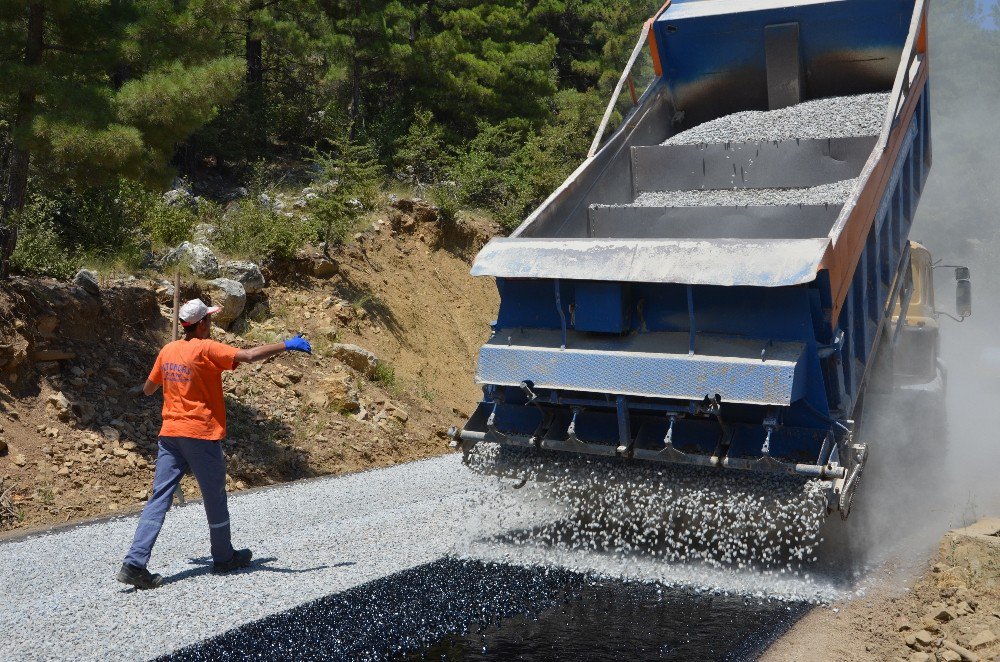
(824,194)
(832,117)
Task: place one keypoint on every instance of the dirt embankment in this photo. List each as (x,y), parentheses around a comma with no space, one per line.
(78,441)
(950,612)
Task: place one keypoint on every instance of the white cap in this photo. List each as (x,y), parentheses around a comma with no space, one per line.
(195,311)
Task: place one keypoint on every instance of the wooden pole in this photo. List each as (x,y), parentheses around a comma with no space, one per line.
(179,493)
(177,303)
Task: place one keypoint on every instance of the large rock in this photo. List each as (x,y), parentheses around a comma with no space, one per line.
(337,392)
(356,357)
(198,257)
(179,197)
(203,233)
(229,294)
(87,279)
(247,274)
(61,405)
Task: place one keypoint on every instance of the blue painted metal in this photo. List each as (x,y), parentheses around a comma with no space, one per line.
(712,52)
(617,336)
(654,365)
(601,307)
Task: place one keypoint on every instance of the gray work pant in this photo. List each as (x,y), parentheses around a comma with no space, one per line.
(208,464)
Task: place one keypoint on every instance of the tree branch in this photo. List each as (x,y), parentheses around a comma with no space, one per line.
(70,49)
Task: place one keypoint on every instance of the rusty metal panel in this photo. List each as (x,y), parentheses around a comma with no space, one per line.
(756,262)
(645,365)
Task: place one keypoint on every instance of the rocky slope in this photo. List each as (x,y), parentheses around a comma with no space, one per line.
(394,318)
(949,611)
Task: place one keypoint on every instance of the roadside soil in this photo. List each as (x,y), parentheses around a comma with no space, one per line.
(945,610)
(77,441)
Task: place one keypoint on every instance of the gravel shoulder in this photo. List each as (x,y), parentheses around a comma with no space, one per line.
(309,539)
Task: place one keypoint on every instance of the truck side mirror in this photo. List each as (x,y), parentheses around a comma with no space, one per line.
(963,292)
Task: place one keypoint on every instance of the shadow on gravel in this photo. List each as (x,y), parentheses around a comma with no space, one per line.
(203,566)
(476,611)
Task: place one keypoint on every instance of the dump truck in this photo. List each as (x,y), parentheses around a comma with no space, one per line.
(739,336)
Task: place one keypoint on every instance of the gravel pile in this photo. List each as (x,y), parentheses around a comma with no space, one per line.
(833,117)
(825,194)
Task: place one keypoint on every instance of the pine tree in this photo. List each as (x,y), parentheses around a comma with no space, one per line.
(89,98)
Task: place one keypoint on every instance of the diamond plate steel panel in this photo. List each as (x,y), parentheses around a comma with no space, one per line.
(647,365)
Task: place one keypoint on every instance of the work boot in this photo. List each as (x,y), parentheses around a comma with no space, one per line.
(241,559)
(139,577)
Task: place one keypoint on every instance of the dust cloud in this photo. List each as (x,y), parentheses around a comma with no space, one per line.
(920,482)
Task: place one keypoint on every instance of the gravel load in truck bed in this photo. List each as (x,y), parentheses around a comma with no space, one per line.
(833,117)
(825,194)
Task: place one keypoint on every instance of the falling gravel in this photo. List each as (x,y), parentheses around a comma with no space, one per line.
(680,514)
(833,117)
(825,194)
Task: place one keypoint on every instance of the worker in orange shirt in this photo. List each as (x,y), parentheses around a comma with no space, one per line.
(194,424)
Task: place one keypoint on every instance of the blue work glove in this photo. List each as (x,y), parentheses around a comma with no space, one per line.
(298,344)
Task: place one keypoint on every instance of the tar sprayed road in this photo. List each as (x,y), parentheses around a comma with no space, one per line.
(472,610)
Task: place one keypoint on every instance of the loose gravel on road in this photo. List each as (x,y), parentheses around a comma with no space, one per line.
(324,537)
(309,539)
(833,117)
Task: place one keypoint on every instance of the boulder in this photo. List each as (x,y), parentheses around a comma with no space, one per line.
(356,357)
(322,267)
(942,614)
(203,233)
(246,273)
(14,353)
(264,201)
(46,325)
(61,405)
(198,257)
(179,197)
(337,392)
(87,279)
(84,412)
(230,295)
(983,639)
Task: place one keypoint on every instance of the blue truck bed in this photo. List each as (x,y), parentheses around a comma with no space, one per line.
(729,336)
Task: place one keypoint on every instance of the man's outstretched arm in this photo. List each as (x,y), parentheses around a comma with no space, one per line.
(149,388)
(263,352)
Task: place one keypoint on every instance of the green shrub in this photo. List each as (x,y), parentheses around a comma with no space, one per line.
(422,150)
(39,251)
(334,218)
(168,225)
(353,168)
(494,172)
(251,231)
(445,197)
(385,375)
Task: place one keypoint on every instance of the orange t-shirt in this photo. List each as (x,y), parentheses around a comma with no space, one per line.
(191,374)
